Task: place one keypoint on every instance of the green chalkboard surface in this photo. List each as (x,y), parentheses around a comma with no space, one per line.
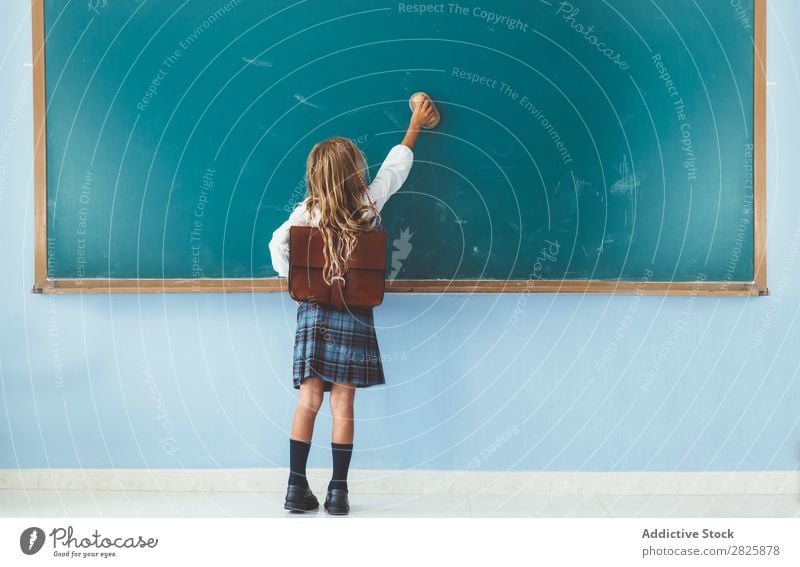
(588,140)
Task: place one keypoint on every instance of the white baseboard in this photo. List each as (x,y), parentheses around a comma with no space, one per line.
(410,482)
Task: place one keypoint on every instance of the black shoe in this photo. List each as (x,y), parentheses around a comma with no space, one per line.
(300,499)
(337,503)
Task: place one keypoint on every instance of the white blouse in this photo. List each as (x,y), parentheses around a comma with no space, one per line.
(390,178)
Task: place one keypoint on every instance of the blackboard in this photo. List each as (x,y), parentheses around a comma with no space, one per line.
(584,143)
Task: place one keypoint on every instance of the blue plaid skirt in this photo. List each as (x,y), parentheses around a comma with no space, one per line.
(337,346)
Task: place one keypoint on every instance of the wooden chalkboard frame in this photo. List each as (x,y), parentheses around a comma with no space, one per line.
(43,284)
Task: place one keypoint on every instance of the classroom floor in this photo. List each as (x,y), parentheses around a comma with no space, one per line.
(75,503)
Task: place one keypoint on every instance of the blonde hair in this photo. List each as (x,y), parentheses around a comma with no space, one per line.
(335,172)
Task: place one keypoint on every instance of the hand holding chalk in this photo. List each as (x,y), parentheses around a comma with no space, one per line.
(424,112)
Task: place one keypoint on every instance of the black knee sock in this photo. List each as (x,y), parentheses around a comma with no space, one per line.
(341,464)
(298,457)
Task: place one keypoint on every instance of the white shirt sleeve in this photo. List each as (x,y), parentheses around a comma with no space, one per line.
(279,245)
(390,178)
(391,175)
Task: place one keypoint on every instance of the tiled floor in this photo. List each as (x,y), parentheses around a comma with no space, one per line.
(53,503)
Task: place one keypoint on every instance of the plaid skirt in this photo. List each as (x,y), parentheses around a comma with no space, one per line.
(337,346)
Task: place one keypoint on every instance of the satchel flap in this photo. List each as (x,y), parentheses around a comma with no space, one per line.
(305,249)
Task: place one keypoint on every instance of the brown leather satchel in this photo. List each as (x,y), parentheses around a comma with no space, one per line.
(363,283)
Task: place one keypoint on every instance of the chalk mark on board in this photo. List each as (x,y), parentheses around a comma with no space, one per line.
(504,153)
(402,248)
(393,118)
(628,182)
(442,212)
(303,100)
(583,186)
(607,240)
(257,62)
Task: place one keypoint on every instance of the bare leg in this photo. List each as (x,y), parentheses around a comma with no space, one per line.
(308,404)
(342,397)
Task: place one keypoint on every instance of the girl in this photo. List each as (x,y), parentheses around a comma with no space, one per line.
(337,351)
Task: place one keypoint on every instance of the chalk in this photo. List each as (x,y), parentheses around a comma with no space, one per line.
(415,99)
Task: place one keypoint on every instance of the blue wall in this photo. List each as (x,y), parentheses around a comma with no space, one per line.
(204,380)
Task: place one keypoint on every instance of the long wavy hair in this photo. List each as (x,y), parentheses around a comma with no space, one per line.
(335,172)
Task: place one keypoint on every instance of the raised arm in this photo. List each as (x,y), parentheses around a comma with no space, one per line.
(391,175)
(397,165)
